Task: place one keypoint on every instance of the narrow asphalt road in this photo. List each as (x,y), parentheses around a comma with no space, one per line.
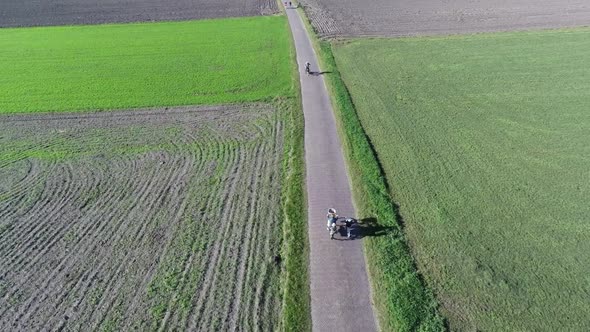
(340,293)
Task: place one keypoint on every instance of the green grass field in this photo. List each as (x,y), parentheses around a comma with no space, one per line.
(484,142)
(139,65)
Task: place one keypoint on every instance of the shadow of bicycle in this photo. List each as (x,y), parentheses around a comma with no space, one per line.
(367,227)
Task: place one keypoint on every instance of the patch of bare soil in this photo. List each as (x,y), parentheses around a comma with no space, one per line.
(15,13)
(150,219)
(334,18)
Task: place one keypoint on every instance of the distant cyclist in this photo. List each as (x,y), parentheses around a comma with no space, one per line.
(307,68)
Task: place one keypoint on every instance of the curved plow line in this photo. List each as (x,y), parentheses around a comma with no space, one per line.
(147,276)
(19,190)
(212,148)
(222,281)
(256,256)
(253,254)
(82,320)
(231,304)
(63,192)
(46,235)
(189,285)
(35,242)
(50,279)
(275,216)
(39,180)
(80,239)
(200,173)
(263,220)
(139,234)
(17,257)
(35,227)
(228,199)
(225,154)
(249,244)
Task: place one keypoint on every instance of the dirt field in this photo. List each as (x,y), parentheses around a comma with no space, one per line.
(15,13)
(426,17)
(141,220)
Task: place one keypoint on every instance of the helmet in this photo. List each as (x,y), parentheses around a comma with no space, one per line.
(331,210)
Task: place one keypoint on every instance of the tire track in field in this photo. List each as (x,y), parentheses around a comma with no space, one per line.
(19,190)
(30,244)
(85,228)
(231,249)
(184,284)
(33,243)
(15,208)
(123,215)
(253,187)
(241,271)
(65,188)
(210,200)
(202,173)
(206,321)
(211,265)
(220,283)
(64,260)
(80,239)
(257,218)
(115,236)
(136,235)
(30,223)
(65,264)
(26,280)
(140,234)
(265,213)
(143,225)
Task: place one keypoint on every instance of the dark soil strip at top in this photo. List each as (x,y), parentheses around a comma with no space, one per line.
(17,13)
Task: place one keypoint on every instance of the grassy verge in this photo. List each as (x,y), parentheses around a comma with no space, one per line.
(296,297)
(118,66)
(296,301)
(484,139)
(402,300)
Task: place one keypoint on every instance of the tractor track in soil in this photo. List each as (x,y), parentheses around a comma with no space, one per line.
(128,211)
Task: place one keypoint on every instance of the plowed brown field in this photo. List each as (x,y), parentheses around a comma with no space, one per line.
(146,220)
(427,17)
(15,13)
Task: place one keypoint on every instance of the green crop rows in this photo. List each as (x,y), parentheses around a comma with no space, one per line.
(484,143)
(142,65)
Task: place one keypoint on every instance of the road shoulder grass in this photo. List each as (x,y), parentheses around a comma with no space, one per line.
(295,284)
(402,300)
